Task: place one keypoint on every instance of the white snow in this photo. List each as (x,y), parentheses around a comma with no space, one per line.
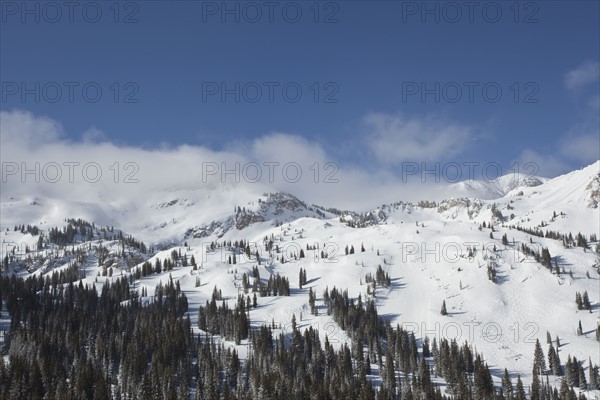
(424,250)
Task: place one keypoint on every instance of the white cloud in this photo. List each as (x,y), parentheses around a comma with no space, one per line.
(580,146)
(582,142)
(325,181)
(546,165)
(94,135)
(393,139)
(281,147)
(22,128)
(36,144)
(587,73)
(30,139)
(583,147)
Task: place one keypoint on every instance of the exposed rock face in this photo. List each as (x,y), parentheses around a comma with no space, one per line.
(214,228)
(593,189)
(278,207)
(473,206)
(523,181)
(244,220)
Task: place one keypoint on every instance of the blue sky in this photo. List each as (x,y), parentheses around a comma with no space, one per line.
(366,58)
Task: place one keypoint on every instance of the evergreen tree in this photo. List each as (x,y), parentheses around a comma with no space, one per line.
(594,382)
(581,379)
(311,302)
(520,390)
(390,374)
(586,301)
(539,362)
(551,359)
(507,386)
(535,386)
(564,389)
(578,301)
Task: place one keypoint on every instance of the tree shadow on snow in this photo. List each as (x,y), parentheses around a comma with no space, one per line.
(501,278)
(396,284)
(562,262)
(312,280)
(389,316)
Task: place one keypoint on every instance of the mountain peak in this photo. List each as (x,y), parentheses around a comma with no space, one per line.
(495,188)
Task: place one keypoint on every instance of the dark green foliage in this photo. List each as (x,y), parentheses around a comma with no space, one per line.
(583,301)
(302,278)
(539,360)
(381,278)
(66,341)
(73,343)
(276,286)
(220,320)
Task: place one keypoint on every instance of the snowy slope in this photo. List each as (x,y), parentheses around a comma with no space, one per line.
(576,195)
(494,188)
(161,216)
(424,247)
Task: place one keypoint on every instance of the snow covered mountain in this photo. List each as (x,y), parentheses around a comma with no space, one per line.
(507,264)
(495,188)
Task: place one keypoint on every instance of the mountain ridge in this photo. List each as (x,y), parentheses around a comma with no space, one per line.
(516,273)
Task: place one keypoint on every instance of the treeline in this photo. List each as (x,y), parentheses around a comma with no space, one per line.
(232,324)
(542,257)
(407,372)
(78,230)
(67,341)
(70,343)
(276,285)
(68,233)
(381,278)
(31,229)
(299,366)
(568,240)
